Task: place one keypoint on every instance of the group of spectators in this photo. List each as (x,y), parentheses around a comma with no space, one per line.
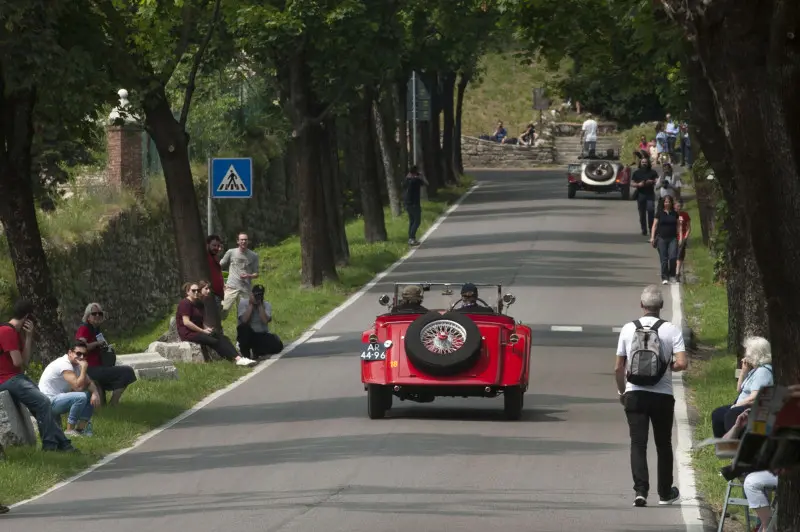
(659,202)
(78,382)
(728,421)
(74,384)
(526,138)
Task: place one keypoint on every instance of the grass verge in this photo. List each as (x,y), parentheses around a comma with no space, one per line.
(710,379)
(149,404)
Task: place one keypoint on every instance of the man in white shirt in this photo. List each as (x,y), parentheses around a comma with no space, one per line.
(70,390)
(651,404)
(252,333)
(589,136)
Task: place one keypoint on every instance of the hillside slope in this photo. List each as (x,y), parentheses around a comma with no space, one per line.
(505,92)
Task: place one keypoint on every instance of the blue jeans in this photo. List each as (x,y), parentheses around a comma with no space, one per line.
(414,211)
(668,253)
(76,403)
(24,391)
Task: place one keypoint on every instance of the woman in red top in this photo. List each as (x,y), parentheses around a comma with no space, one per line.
(189,322)
(107,377)
(687,230)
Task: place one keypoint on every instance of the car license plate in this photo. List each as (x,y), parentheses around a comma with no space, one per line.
(373,352)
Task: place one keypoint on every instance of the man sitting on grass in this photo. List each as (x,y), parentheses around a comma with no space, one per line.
(68,386)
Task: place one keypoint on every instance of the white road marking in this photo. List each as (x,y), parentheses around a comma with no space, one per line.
(263,365)
(566,328)
(690,505)
(616,329)
(320,339)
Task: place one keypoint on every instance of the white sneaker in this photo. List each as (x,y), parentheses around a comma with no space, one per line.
(664,281)
(243,361)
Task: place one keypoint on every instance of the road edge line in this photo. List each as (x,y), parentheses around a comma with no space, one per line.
(261,367)
(691,508)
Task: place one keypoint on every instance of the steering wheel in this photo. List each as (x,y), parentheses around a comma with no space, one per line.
(454,305)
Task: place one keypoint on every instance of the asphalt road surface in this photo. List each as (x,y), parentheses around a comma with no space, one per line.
(292,449)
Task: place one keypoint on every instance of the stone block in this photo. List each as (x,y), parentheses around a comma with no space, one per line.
(149,366)
(183,352)
(16,425)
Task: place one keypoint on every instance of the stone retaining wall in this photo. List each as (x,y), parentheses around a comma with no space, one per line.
(477,153)
(573,129)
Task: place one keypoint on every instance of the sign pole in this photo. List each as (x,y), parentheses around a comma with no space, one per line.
(210,194)
(414,113)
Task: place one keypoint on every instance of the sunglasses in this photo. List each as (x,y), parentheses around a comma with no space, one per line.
(97,314)
(194,290)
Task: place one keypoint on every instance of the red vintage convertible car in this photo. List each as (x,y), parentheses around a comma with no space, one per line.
(451,351)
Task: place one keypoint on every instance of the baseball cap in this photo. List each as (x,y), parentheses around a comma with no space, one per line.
(469,287)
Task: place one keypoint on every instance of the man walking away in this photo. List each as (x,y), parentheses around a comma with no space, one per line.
(589,136)
(16,346)
(649,350)
(644,181)
(242,264)
(413,186)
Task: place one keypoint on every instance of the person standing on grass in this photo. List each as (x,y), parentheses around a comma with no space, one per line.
(413,202)
(650,342)
(242,264)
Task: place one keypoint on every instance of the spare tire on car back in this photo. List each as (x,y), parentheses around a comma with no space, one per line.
(599,170)
(443,344)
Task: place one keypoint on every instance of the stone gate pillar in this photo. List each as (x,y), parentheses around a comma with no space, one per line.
(124,169)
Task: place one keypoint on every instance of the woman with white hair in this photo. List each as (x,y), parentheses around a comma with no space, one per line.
(756,374)
(102,370)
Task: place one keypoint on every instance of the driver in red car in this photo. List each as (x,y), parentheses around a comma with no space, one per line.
(410,301)
(469,300)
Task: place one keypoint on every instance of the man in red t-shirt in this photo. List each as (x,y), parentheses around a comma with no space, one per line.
(685,222)
(16,344)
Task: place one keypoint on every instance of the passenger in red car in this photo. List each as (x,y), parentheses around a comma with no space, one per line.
(410,301)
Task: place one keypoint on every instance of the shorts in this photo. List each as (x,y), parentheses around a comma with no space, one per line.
(682,250)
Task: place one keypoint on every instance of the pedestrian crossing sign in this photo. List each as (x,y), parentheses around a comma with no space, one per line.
(232,178)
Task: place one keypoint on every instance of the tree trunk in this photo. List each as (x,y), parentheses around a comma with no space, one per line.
(433,139)
(448,108)
(387,156)
(405,160)
(364,164)
(761,120)
(332,190)
(747,312)
(18,216)
(747,307)
(463,80)
(317,261)
(172,144)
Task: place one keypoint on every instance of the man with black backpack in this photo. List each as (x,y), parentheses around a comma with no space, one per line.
(649,350)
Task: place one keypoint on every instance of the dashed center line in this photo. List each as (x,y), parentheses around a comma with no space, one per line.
(320,339)
(566,328)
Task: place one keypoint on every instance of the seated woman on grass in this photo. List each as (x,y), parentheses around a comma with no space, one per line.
(102,369)
(189,322)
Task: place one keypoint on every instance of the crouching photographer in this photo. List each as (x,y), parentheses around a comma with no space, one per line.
(252,333)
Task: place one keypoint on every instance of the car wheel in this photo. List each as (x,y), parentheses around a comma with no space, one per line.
(377,401)
(513,400)
(571,191)
(443,344)
(599,171)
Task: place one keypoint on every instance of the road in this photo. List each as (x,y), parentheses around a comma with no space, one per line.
(292,449)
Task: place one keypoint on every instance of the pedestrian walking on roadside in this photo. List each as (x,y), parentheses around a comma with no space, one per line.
(666,235)
(643,182)
(413,187)
(648,351)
